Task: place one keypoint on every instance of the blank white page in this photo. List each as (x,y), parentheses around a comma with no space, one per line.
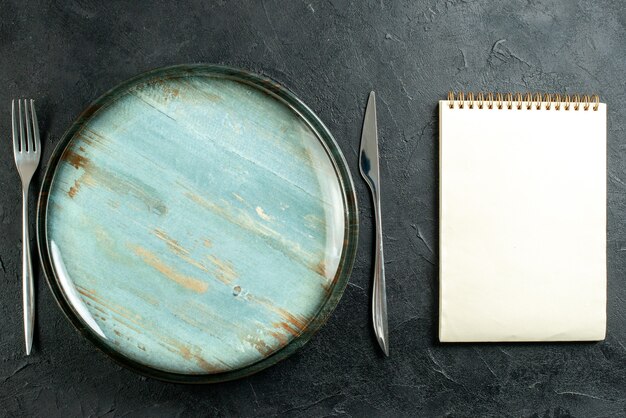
(522,224)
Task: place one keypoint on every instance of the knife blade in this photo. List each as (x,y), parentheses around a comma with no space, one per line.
(369,167)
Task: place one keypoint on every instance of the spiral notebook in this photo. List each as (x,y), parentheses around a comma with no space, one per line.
(522,218)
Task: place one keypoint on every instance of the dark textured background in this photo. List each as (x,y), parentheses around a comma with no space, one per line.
(330,53)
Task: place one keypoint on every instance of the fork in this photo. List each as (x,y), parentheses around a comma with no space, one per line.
(27,152)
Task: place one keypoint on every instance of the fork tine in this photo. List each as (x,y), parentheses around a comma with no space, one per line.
(22,136)
(36,139)
(14,123)
(29,135)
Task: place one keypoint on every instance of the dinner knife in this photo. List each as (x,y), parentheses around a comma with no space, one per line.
(368,164)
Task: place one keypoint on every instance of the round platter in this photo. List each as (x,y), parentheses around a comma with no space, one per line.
(197,223)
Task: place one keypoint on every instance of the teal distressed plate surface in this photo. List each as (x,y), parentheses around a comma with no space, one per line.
(197,223)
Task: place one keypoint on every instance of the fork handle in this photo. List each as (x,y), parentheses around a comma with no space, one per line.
(28,287)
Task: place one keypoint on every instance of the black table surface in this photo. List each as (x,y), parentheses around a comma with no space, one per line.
(331,54)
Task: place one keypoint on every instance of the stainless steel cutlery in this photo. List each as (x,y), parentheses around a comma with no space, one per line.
(27,153)
(368,164)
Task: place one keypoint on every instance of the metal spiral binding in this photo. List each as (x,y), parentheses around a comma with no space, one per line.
(529,101)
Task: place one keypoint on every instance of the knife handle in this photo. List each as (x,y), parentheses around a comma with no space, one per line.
(379,293)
